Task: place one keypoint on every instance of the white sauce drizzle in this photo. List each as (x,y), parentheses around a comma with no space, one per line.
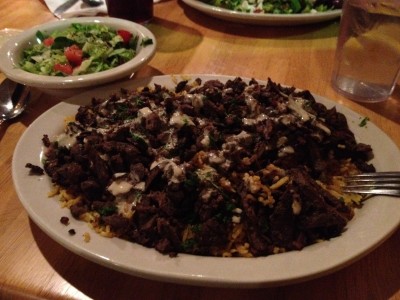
(322,126)
(178,120)
(297,107)
(172,171)
(196,100)
(296,207)
(66,139)
(140,186)
(251,102)
(216,158)
(119,187)
(144,112)
(205,141)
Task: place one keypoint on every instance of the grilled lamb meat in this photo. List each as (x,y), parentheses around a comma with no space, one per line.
(210,168)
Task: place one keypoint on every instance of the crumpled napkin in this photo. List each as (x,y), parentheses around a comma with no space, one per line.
(79,9)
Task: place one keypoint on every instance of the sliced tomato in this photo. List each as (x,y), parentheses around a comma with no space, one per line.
(64,68)
(48,41)
(126,35)
(74,55)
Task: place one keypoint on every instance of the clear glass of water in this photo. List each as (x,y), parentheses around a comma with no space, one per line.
(367,60)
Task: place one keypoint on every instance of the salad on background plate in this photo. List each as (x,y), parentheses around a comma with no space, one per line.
(267,12)
(277,6)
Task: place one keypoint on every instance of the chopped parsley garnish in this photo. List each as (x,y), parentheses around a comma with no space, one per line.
(188,244)
(363,122)
(139,141)
(107,210)
(147,41)
(196,228)
(216,139)
(138,101)
(123,112)
(191,182)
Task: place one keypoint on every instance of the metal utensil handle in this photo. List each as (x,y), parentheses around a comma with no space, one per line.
(63,7)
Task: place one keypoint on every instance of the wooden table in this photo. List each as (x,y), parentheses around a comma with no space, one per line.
(34,266)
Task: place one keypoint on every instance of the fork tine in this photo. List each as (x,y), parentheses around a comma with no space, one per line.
(372,185)
(374,177)
(375,191)
(378,174)
(382,183)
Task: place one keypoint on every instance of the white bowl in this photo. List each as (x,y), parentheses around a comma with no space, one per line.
(7,33)
(11,54)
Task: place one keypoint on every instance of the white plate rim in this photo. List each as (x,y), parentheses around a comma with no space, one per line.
(263,19)
(360,238)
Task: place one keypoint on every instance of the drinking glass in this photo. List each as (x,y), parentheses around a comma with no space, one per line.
(139,11)
(367,60)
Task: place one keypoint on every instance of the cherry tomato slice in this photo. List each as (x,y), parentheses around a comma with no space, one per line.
(126,35)
(48,41)
(64,68)
(74,55)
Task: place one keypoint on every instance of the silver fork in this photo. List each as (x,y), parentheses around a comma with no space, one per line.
(379,183)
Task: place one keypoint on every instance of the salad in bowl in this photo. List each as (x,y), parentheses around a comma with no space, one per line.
(69,55)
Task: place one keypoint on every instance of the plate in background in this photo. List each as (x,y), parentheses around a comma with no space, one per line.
(263,19)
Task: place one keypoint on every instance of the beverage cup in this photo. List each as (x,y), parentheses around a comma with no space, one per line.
(139,11)
(367,60)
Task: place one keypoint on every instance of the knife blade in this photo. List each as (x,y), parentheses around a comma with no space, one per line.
(63,7)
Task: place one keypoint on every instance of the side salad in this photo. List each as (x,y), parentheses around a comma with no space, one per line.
(80,49)
(277,6)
